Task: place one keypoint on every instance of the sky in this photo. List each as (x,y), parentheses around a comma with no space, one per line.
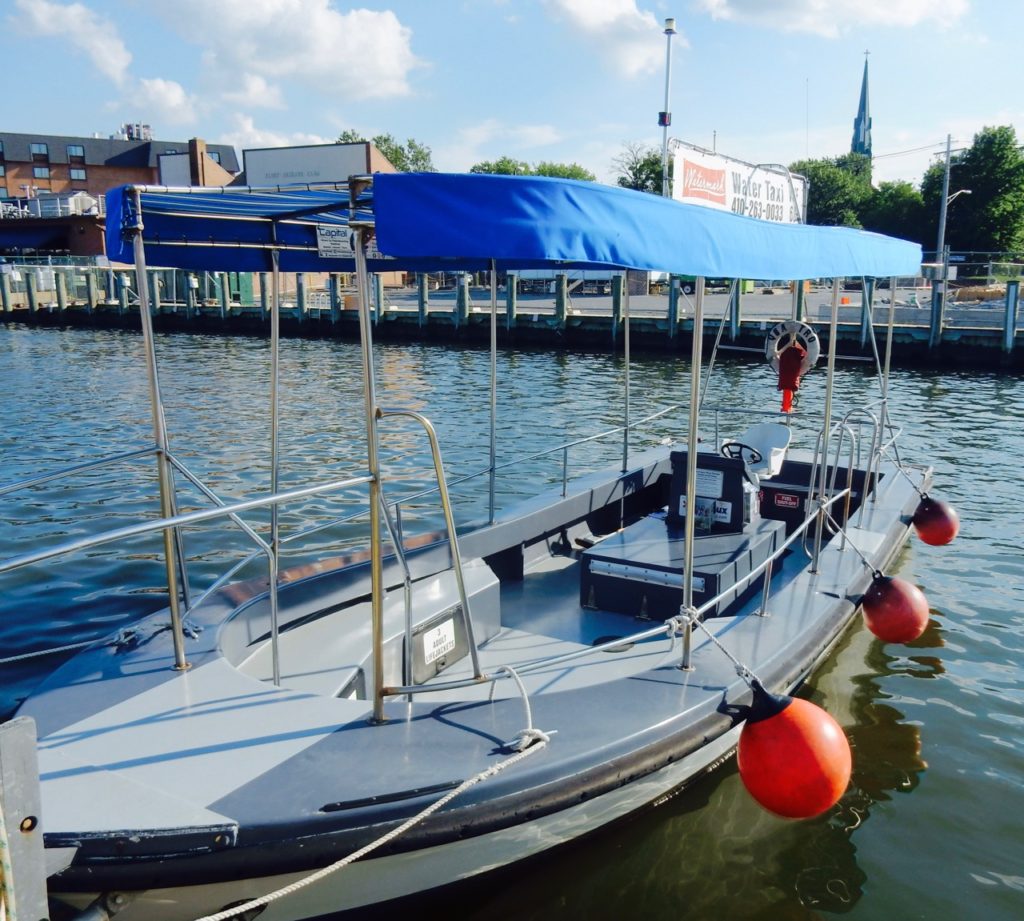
(569,81)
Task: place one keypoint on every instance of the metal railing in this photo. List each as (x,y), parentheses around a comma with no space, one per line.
(668,628)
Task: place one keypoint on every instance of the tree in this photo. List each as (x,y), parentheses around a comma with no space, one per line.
(508,166)
(410,157)
(564,171)
(991,218)
(503,166)
(639,168)
(836,192)
(896,209)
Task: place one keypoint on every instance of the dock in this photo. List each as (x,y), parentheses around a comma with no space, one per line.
(963,335)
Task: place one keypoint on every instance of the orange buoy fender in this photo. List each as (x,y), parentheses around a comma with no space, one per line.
(936,522)
(895,610)
(794,758)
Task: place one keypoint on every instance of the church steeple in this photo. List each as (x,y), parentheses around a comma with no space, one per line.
(862,123)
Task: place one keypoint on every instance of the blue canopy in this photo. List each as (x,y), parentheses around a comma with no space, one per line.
(433,221)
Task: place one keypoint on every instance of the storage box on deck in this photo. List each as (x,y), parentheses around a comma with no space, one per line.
(639,570)
(726,497)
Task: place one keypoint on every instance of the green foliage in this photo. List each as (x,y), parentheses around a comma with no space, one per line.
(896,209)
(508,166)
(503,166)
(639,168)
(410,157)
(839,189)
(564,171)
(991,218)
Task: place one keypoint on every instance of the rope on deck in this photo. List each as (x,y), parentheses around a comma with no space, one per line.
(527,742)
(46,652)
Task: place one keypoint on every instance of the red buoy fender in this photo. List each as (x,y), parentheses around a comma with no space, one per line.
(794,758)
(895,610)
(936,522)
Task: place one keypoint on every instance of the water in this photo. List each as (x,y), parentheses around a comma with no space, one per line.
(930,826)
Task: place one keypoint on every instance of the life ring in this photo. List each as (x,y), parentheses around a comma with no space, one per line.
(780,335)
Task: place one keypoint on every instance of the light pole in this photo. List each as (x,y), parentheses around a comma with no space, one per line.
(941,254)
(665,117)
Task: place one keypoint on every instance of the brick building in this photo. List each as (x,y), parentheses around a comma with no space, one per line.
(35,164)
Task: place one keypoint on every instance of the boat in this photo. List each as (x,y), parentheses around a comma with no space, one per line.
(390,721)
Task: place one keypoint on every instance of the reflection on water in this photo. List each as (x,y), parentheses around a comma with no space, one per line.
(929,827)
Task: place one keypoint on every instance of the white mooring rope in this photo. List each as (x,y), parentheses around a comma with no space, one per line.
(527,742)
(46,652)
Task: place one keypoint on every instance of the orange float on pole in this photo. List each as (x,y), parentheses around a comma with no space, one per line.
(794,758)
(895,610)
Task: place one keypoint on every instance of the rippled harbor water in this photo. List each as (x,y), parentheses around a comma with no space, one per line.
(930,827)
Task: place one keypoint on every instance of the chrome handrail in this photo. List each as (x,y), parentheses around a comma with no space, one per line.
(181,520)
(449,520)
(76,468)
(669,625)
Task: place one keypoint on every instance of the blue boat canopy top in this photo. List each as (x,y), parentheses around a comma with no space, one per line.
(456,222)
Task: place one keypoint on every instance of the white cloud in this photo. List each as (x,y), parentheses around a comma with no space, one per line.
(489,139)
(254,91)
(362,53)
(634,42)
(831,18)
(98,38)
(163,101)
(244,135)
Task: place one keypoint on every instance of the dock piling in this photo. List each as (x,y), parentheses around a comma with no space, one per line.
(422,298)
(511,299)
(91,293)
(561,298)
(673,306)
(60,281)
(31,290)
(225,295)
(1010,324)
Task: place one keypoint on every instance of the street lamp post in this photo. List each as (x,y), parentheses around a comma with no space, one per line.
(665,117)
(942,253)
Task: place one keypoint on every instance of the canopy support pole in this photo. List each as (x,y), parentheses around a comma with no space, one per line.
(275,373)
(493,471)
(625,355)
(692,437)
(361,234)
(827,425)
(160,437)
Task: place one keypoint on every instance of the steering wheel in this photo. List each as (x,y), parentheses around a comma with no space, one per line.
(734,450)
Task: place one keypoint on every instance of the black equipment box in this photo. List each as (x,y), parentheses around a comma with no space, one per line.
(639,570)
(726,495)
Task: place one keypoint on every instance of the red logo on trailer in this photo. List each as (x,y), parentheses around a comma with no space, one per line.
(701,182)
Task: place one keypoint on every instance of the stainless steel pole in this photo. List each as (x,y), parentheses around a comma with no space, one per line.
(665,117)
(693,434)
(625,355)
(275,373)
(160,437)
(829,382)
(494,393)
(373,464)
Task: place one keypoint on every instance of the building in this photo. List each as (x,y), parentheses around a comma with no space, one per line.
(52,187)
(36,164)
(861,143)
